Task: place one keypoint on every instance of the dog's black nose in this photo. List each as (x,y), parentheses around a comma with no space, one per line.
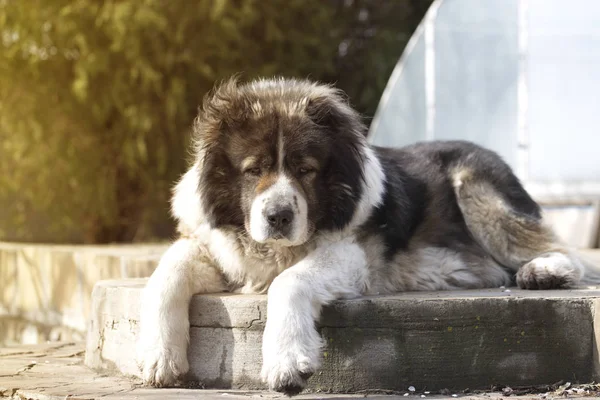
(280,219)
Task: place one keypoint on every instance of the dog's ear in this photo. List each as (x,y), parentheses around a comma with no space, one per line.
(329,107)
(219,189)
(344,174)
(219,193)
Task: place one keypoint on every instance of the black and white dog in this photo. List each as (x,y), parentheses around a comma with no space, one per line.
(287,197)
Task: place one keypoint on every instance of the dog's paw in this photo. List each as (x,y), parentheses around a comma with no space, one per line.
(162,366)
(161,361)
(288,373)
(549,271)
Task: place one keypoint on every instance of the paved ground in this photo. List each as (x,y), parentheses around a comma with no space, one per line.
(55,371)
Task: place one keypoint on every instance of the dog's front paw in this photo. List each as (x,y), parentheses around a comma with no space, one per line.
(162,352)
(288,373)
(161,366)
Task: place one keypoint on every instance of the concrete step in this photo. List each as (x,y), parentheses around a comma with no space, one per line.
(432,341)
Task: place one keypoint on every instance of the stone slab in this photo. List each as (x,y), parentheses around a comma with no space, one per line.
(433,341)
(56,372)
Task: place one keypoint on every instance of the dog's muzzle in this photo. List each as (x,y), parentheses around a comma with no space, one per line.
(279,214)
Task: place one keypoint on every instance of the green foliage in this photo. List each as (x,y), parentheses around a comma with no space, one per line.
(97,97)
(371,37)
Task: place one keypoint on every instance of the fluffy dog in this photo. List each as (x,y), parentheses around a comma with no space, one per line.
(287,197)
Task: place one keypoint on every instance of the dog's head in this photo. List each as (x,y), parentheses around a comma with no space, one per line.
(280,159)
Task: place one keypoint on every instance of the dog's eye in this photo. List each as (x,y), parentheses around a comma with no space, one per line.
(253,171)
(304,170)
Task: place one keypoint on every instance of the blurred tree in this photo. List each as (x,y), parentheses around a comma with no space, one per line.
(371,35)
(97,97)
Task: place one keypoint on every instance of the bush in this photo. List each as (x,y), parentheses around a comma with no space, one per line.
(97,98)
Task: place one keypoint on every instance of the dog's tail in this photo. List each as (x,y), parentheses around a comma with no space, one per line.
(591,268)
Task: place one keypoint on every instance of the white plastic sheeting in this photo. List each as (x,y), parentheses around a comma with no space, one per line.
(521,77)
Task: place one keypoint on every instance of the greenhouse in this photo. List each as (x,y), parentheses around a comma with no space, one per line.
(520,77)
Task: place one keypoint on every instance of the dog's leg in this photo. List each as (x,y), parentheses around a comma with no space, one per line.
(516,239)
(291,344)
(183,271)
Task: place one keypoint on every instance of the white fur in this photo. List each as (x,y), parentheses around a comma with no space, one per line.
(550,266)
(245,274)
(185,204)
(164,320)
(291,344)
(373,189)
(281,194)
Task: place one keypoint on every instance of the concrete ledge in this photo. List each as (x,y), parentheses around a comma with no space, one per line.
(433,341)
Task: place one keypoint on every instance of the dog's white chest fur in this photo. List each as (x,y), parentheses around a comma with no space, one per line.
(248,266)
(263,262)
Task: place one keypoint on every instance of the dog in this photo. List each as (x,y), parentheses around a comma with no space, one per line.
(286,197)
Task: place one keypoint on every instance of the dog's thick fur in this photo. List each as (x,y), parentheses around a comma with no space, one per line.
(285,196)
